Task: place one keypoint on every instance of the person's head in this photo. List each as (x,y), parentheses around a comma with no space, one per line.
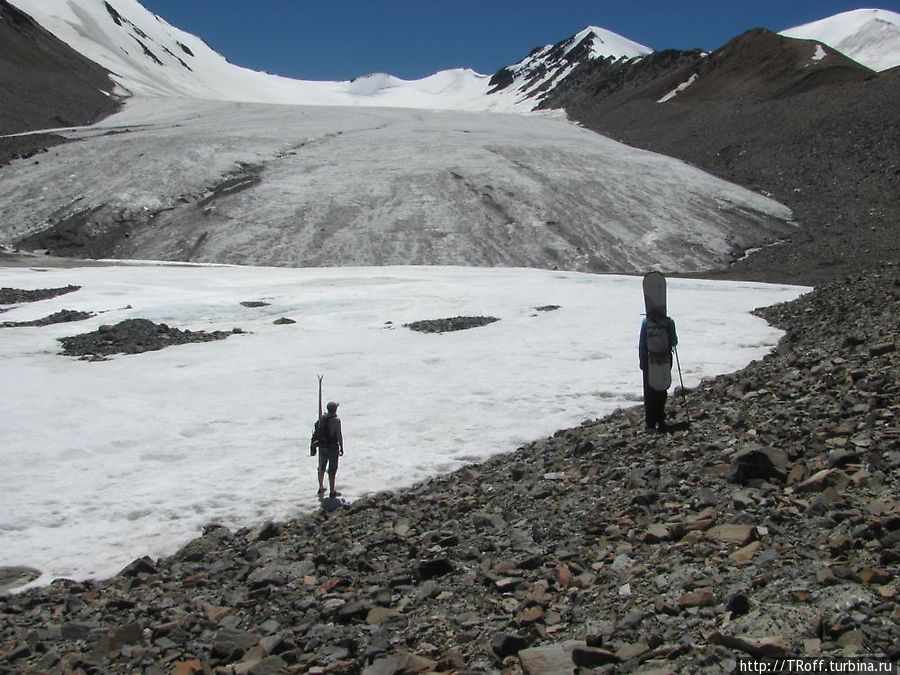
(332,407)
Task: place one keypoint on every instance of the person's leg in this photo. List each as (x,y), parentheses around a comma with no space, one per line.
(649,419)
(323,459)
(656,402)
(332,473)
(661,414)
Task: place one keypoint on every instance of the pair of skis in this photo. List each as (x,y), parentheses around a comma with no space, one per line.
(659,363)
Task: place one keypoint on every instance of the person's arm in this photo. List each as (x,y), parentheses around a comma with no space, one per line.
(673,336)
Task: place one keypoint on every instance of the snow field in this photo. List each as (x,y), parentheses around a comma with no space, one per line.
(105,462)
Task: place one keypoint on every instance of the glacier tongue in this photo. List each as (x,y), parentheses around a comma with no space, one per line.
(175,179)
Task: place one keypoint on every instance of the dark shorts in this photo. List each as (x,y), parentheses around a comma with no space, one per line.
(328,459)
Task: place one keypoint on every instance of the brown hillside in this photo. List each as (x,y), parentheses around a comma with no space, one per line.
(45,83)
(822,137)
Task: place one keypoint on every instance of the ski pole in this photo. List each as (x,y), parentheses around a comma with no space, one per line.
(683,392)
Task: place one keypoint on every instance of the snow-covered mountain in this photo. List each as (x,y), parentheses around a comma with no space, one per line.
(546,67)
(150,57)
(868,36)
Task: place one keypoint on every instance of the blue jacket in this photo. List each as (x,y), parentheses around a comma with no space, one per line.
(642,341)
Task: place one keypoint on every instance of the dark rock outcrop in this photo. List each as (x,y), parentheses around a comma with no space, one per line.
(134,336)
(45,83)
(451,324)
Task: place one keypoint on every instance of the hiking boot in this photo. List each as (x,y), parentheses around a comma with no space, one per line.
(321,491)
(334,494)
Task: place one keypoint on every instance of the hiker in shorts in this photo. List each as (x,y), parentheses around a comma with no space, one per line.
(655,399)
(331,446)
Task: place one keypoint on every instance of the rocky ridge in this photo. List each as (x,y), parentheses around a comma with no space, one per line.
(770,528)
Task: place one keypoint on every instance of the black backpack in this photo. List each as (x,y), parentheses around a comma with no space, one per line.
(322,433)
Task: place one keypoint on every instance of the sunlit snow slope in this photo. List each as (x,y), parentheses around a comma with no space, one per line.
(150,57)
(868,36)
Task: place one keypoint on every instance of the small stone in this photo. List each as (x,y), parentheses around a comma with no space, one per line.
(128,634)
(732,534)
(231,645)
(745,554)
(77,631)
(852,642)
(563,576)
(838,459)
(801,595)
(887,592)
(812,647)
(703,597)
(872,575)
(738,605)
(431,569)
(187,667)
(797,473)
(823,479)
(758,463)
(826,577)
(380,615)
(271,665)
(593,657)
(882,348)
(530,615)
(399,663)
(144,565)
(550,660)
(284,321)
(507,584)
(771,647)
(656,534)
(632,651)
(508,644)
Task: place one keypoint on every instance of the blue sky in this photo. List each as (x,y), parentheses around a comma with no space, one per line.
(341,39)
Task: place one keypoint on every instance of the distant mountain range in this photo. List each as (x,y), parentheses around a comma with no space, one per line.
(807,116)
(148,56)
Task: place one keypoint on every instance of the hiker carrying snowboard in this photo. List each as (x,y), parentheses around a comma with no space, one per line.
(330,444)
(657,340)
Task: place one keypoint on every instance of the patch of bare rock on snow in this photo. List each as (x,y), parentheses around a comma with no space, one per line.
(134,336)
(450,324)
(770,528)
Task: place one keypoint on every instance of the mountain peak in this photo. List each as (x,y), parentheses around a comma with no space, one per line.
(606,44)
(545,67)
(868,36)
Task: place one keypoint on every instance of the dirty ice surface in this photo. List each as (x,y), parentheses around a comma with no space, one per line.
(104,462)
(299,186)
